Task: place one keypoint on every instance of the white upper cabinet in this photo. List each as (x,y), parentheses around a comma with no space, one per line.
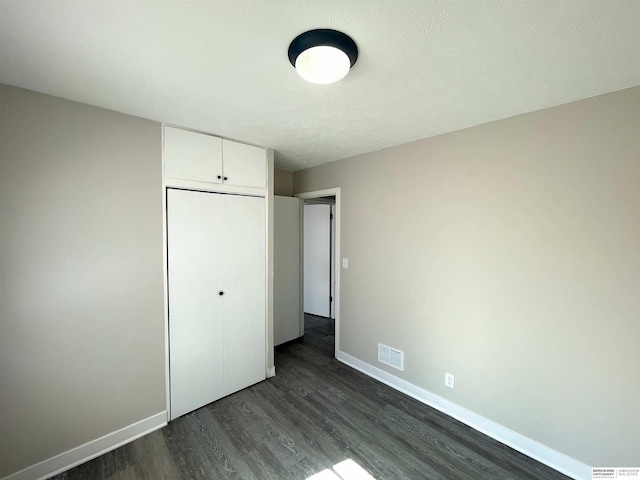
(197,157)
(244,165)
(192,156)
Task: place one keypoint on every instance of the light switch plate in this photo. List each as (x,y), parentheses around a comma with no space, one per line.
(345,263)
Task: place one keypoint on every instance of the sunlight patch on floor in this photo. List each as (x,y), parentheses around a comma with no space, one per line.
(346,470)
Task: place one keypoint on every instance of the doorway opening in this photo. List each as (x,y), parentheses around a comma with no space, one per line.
(319,262)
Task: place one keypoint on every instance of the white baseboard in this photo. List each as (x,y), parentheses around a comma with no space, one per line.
(89,450)
(271,372)
(550,457)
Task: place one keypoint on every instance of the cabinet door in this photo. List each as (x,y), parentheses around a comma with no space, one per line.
(194,241)
(192,156)
(244,165)
(244,257)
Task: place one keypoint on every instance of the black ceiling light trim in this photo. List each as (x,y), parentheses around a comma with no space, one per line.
(323,37)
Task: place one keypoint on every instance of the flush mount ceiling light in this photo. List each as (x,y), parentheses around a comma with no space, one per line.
(323,55)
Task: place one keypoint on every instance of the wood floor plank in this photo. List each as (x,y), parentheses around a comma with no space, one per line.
(315,413)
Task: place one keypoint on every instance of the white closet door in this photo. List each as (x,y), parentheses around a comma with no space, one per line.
(317,259)
(244,257)
(194,222)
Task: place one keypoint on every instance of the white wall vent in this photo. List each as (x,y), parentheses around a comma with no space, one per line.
(390,356)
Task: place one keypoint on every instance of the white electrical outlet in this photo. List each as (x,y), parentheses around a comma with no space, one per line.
(449,380)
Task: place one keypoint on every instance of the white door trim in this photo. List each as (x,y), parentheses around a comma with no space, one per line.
(317,194)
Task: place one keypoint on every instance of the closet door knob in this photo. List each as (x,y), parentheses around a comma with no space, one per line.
(220,293)
(226,178)
(219,177)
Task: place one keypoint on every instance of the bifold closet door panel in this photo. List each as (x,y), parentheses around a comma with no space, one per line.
(194,241)
(244,258)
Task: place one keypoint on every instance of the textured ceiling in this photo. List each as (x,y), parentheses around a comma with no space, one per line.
(425,67)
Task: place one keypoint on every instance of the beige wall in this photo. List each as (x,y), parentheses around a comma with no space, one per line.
(283,183)
(509,255)
(81,303)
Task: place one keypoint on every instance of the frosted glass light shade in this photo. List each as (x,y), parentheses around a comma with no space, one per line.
(323,55)
(323,64)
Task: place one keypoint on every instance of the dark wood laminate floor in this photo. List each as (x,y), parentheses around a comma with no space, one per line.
(316,413)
